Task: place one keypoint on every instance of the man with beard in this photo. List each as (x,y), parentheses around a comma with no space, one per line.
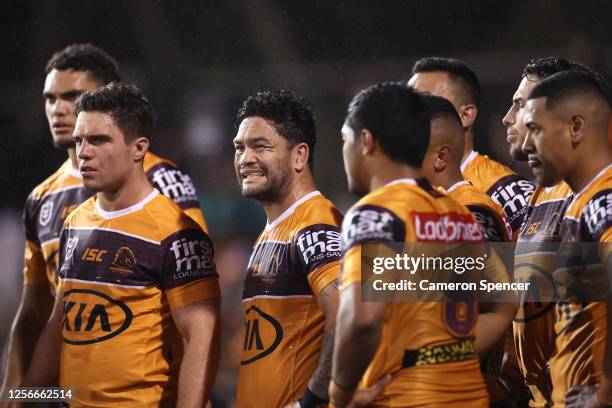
(455,81)
(537,244)
(70,72)
(567,120)
(290,293)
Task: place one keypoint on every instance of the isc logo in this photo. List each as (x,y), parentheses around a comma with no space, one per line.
(314,245)
(91,317)
(93,254)
(191,255)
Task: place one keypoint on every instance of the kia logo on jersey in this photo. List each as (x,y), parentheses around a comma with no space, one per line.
(262,335)
(91,317)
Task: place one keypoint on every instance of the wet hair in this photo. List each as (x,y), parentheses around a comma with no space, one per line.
(125,104)
(395,115)
(86,57)
(566,85)
(289,114)
(458,71)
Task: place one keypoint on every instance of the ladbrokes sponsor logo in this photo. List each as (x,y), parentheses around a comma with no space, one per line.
(598,212)
(371,223)
(192,257)
(262,335)
(319,242)
(91,317)
(432,227)
(175,184)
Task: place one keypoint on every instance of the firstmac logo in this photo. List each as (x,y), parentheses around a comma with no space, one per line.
(317,244)
(191,255)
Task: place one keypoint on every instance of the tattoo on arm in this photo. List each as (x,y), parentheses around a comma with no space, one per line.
(319,381)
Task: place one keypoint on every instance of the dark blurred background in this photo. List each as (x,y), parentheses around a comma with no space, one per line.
(197,60)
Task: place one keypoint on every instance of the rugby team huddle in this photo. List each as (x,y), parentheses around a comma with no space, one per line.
(121,300)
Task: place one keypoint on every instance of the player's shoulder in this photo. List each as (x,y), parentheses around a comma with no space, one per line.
(469,195)
(152,160)
(487,165)
(83,214)
(317,210)
(594,202)
(168,217)
(559,191)
(60,179)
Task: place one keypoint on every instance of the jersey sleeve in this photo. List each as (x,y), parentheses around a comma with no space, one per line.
(34,267)
(493,228)
(596,217)
(512,192)
(178,186)
(319,250)
(366,223)
(188,270)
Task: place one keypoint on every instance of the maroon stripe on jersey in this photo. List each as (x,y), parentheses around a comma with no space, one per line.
(105,256)
(173,183)
(44,217)
(275,270)
(543,221)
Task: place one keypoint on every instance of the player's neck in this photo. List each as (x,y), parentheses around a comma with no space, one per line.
(588,169)
(72,156)
(447,178)
(388,171)
(469,144)
(300,187)
(135,189)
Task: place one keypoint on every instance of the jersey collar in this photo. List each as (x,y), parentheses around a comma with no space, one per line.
(468,160)
(585,188)
(457,185)
(107,215)
(291,209)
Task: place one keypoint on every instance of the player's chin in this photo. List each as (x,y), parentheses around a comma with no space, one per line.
(63,142)
(91,184)
(517,154)
(253,191)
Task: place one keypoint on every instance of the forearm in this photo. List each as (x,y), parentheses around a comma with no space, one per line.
(45,365)
(492,325)
(199,369)
(22,341)
(319,381)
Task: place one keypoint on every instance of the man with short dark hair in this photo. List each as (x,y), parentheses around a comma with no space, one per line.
(138,294)
(70,72)
(386,135)
(290,293)
(566,116)
(537,244)
(454,80)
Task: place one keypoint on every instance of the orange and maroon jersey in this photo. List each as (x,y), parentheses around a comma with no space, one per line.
(504,186)
(52,201)
(121,275)
(488,213)
(583,285)
(534,261)
(427,347)
(295,257)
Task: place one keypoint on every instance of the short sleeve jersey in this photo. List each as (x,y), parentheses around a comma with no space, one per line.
(53,200)
(121,275)
(412,211)
(504,186)
(294,258)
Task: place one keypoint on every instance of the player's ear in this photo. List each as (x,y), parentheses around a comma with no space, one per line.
(467,114)
(578,125)
(302,153)
(443,157)
(367,142)
(140,146)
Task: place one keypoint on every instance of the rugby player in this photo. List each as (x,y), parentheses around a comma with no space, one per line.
(70,72)
(138,294)
(386,134)
(567,120)
(290,295)
(441,166)
(537,244)
(455,81)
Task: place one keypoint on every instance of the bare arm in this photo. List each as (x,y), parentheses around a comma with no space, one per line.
(493,321)
(358,332)
(45,365)
(34,310)
(199,325)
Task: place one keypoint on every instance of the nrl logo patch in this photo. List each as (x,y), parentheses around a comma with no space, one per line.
(45,213)
(71,244)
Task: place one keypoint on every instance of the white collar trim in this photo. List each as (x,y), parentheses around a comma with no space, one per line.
(585,188)
(73,171)
(468,160)
(133,208)
(401,181)
(291,209)
(456,185)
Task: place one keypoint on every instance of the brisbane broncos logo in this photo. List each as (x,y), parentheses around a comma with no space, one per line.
(124,261)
